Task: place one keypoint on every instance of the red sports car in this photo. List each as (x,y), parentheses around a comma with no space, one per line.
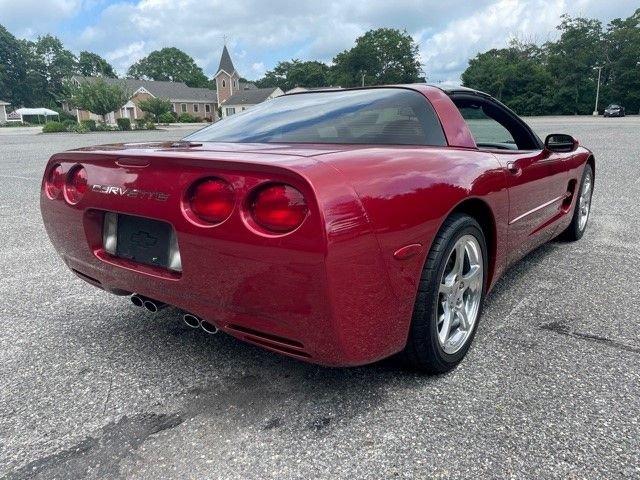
(338,227)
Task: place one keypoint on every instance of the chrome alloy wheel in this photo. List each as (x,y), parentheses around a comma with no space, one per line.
(460,293)
(584,202)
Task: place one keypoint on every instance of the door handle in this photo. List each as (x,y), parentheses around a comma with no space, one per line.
(513,168)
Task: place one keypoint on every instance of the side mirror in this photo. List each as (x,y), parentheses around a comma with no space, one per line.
(559,142)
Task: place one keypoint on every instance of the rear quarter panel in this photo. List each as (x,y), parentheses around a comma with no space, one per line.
(406,194)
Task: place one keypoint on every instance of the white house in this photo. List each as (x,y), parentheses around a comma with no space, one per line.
(244,99)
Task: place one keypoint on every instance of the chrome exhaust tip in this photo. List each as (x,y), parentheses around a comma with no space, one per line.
(210,328)
(191,320)
(137,300)
(153,305)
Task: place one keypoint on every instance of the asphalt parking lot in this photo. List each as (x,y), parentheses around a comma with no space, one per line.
(92,387)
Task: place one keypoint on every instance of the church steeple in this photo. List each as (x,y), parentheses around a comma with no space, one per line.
(225,62)
(227,78)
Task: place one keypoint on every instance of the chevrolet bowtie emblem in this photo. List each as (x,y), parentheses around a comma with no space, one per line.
(143,239)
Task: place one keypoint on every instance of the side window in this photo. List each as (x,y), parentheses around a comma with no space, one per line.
(494,126)
(486,131)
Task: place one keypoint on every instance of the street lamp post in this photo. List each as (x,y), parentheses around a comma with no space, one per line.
(595,111)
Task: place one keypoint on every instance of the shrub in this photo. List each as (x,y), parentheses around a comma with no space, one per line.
(14,124)
(124,123)
(187,118)
(89,124)
(101,127)
(166,117)
(54,127)
(140,123)
(150,125)
(80,128)
(155,107)
(65,116)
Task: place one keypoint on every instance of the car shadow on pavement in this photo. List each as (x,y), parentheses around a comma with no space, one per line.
(222,380)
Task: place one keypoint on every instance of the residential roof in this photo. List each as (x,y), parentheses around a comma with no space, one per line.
(176,91)
(225,62)
(250,97)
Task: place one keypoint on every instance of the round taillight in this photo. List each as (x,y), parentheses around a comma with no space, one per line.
(54,182)
(212,200)
(76,185)
(278,207)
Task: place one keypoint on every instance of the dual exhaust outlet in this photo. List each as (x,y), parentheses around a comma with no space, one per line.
(190,319)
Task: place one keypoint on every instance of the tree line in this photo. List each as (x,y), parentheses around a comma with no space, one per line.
(379,57)
(34,73)
(557,77)
(560,77)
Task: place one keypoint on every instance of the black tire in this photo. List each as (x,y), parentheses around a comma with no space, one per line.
(423,350)
(573,231)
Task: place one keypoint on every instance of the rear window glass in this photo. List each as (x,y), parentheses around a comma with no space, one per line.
(385,116)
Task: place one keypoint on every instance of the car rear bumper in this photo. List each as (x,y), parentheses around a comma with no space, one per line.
(332,306)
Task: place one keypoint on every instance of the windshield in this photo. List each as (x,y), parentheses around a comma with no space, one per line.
(382,116)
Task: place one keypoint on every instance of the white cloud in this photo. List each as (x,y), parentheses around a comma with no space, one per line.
(447,51)
(260,33)
(258,69)
(128,54)
(22,16)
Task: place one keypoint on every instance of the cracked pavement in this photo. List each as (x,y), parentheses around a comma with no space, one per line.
(92,387)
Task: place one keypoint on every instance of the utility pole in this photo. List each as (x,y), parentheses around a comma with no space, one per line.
(595,111)
(363,79)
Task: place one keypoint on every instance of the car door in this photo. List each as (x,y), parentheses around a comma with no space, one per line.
(536,178)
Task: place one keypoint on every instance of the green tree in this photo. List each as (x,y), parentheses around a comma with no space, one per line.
(169,64)
(13,70)
(622,39)
(155,106)
(93,65)
(515,75)
(296,73)
(97,96)
(383,56)
(571,62)
(53,63)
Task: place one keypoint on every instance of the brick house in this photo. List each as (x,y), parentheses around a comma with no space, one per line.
(199,102)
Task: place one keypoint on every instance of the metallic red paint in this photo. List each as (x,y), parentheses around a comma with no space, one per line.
(211,200)
(340,288)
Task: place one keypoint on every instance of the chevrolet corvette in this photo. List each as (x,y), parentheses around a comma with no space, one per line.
(337,227)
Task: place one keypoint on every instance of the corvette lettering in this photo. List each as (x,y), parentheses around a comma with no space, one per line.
(130,192)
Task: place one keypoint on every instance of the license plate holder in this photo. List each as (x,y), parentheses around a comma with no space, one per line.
(144,240)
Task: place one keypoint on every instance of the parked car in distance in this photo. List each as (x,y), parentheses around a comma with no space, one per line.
(336,227)
(614,110)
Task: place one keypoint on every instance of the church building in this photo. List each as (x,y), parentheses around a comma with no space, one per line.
(235,96)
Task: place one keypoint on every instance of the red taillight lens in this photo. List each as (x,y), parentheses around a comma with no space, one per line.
(212,200)
(54,182)
(279,208)
(76,185)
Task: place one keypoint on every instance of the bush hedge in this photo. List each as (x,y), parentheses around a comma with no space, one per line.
(124,123)
(54,127)
(187,118)
(166,117)
(89,124)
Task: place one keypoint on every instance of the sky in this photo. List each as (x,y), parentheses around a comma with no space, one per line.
(259,33)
